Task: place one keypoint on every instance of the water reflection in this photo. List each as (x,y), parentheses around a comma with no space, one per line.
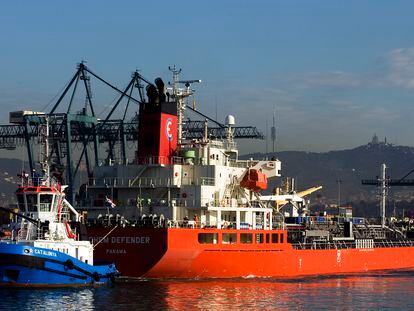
(344,293)
(47,299)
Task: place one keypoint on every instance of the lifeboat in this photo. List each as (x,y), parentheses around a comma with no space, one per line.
(254,180)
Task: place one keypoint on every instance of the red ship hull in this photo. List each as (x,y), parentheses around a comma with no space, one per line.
(177,253)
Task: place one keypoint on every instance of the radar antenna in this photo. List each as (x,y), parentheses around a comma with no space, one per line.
(178,95)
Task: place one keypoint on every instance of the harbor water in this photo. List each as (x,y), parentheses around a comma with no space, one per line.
(368,292)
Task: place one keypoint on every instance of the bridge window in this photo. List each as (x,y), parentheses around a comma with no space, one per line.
(275,237)
(20,202)
(45,202)
(31,202)
(246,238)
(267,238)
(207,238)
(229,238)
(259,238)
(281,238)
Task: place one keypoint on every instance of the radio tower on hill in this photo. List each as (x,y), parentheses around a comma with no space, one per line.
(273,131)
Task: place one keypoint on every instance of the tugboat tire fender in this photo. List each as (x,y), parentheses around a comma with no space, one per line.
(69,265)
(96,276)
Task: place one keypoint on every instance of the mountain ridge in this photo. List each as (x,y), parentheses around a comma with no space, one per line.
(339,172)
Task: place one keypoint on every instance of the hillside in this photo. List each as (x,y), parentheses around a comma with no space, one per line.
(309,169)
(9,168)
(348,166)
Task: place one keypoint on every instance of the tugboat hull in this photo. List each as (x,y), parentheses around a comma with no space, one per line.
(28,266)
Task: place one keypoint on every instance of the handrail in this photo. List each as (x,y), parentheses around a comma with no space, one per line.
(347,245)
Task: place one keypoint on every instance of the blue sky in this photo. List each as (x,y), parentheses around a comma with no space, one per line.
(336,71)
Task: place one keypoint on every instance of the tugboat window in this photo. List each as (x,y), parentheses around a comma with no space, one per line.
(45,202)
(207,238)
(246,238)
(20,202)
(275,237)
(31,202)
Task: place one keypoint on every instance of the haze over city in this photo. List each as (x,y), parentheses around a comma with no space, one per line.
(336,72)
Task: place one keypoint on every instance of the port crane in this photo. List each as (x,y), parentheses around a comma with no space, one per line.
(78,137)
(383,182)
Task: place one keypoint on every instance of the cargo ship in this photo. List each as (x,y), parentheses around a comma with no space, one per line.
(191,208)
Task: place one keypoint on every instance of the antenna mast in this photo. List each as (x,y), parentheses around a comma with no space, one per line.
(383,186)
(179,94)
(45,148)
(273,130)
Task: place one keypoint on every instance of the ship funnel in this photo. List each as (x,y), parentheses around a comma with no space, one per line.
(152,93)
(161,89)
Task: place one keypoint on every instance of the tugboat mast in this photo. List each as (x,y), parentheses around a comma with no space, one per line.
(45,156)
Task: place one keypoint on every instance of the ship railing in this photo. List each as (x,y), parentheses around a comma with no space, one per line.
(185,202)
(159,160)
(99,204)
(200,181)
(187,223)
(148,181)
(151,182)
(149,160)
(346,244)
(216,144)
(130,182)
(22,234)
(27,232)
(243,163)
(391,243)
(39,181)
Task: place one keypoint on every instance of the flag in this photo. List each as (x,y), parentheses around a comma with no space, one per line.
(109,202)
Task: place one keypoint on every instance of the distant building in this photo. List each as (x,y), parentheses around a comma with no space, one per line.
(375,140)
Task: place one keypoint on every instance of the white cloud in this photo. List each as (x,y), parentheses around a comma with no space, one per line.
(332,79)
(400,67)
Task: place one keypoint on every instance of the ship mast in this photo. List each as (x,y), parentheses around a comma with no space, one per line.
(178,95)
(45,155)
(383,187)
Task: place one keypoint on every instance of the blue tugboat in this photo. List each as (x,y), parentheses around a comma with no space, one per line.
(42,250)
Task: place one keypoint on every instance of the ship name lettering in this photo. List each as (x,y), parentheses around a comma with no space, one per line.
(130,240)
(116,251)
(96,240)
(44,253)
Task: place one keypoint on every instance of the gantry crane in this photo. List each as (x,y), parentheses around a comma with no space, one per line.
(90,134)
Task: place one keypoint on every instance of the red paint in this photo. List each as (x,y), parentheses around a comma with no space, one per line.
(254,180)
(157,136)
(176,253)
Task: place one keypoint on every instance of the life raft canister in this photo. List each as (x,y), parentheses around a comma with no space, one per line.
(254,180)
